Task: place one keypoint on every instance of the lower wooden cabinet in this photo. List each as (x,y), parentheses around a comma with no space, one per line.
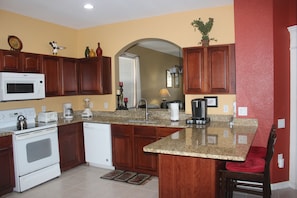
(7,181)
(127,147)
(122,142)
(144,162)
(71,145)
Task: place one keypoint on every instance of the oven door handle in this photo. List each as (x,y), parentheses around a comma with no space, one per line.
(36,133)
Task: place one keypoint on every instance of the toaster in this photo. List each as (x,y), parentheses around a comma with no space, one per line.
(48,116)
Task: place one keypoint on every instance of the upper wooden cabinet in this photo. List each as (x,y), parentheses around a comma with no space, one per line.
(95,75)
(52,70)
(69,79)
(12,61)
(30,62)
(209,70)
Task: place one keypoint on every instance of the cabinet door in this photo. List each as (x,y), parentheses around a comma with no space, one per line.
(69,71)
(9,61)
(209,70)
(221,69)
(122,153)
(89,76)
(71,145)
(31,62)
(7,181)
(51,69)
(193,75)
(144,162)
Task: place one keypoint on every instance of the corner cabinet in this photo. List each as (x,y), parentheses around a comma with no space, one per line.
(71,145)
(7,181)
(95,75)
(209,70)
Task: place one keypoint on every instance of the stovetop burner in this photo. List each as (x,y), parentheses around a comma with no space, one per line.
(197,121)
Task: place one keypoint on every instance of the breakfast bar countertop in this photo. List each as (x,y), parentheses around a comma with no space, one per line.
(215,140)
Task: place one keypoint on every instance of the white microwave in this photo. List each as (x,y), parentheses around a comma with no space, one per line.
(21,86)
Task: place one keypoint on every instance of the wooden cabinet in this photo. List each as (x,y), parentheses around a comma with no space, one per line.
(9,61)
(144,162)
(69,71)
(63,76)
(181,176)
(51,70)
(122,142)
(71,145)
(7,181)
(209,70)
(95,75)
(12,61)
(127,147)
(30,62)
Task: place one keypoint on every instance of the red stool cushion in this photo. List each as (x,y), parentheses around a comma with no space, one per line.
(250,165)
(257,151)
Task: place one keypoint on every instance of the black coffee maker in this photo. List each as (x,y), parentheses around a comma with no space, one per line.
(199,112)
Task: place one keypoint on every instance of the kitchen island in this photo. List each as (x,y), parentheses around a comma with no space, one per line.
(190,158)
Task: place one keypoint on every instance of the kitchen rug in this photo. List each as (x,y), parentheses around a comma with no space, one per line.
(126,176)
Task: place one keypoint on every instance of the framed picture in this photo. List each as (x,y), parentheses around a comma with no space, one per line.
(212,139)
(212,101)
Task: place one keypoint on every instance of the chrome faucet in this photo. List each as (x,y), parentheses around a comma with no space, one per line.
(146,111)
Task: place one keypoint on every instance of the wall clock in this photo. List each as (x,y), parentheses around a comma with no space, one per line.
(15,43)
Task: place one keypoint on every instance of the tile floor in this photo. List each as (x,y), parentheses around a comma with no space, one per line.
(84,181)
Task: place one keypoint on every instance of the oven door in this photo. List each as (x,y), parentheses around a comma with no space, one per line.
(36,150)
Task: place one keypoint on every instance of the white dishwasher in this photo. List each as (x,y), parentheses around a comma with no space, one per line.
(98,149)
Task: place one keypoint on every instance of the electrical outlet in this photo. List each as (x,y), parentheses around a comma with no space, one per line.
(226,109)
(105,105)
(242,111)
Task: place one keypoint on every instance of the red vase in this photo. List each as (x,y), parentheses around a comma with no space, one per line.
(99,50)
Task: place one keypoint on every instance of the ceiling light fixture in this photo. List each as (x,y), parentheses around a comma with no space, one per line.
(88,6)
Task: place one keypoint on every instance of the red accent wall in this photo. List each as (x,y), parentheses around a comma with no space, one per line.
(263,69)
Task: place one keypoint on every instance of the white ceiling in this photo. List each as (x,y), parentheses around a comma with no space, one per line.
(70,13)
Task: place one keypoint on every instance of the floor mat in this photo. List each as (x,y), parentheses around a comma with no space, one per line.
(126,176)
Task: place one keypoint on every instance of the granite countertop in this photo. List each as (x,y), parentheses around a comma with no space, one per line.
(215,140)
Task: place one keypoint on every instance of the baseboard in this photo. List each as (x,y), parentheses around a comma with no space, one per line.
(280,185)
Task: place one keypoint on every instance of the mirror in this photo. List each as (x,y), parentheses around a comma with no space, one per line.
(145,67)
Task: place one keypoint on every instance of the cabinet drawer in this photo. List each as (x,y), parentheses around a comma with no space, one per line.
(145,131)
(5,142)
(124,130)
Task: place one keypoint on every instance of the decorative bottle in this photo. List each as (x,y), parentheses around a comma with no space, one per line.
(92,53)
(99,50)
(87,52)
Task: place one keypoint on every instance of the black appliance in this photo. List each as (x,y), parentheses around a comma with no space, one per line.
(199,112)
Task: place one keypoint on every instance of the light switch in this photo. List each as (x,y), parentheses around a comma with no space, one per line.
(281,123)
(242,111)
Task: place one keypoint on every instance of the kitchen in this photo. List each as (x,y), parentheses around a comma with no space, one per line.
(111,43)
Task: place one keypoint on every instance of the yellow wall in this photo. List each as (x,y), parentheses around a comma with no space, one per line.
(176,28)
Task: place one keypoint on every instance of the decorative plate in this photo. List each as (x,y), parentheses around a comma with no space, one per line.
(15,43)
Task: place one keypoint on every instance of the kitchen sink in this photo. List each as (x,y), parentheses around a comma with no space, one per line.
(142,121)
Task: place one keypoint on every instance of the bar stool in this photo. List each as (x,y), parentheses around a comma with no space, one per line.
(251,176)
